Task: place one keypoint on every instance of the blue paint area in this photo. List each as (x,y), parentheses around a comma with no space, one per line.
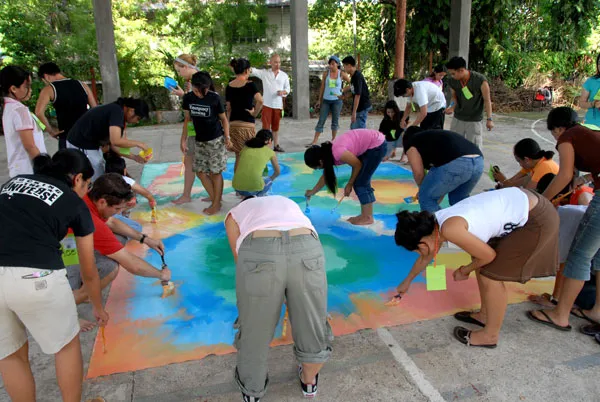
(358,260)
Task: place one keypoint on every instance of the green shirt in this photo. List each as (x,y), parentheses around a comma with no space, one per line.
(469,109)
(248,176)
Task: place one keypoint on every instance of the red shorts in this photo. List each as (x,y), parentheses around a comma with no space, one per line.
(271,118)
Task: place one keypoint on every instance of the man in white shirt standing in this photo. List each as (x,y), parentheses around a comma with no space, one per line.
(276,86)
(429,98)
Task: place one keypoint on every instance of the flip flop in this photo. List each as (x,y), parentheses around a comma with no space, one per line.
(590,330)
(545,296)
(465,316)
(578,312)
(549,323)
(463,335)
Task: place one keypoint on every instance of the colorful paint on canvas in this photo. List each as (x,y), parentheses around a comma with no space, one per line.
(363,268)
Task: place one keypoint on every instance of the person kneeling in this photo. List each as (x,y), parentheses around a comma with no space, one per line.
(511,235)
(248,179)
(107,198)
(278,258)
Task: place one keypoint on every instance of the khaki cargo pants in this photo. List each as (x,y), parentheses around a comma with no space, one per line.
(471,130)
(269,271)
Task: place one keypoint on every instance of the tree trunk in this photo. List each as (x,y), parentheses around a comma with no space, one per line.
(430,61)
(400,37)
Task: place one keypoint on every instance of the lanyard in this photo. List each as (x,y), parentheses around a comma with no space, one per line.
(435,250)
(467,81)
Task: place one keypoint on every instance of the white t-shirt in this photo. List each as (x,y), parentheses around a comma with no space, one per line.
(490,214)
(427,93)
(271,212)
(272,84)
(17,117)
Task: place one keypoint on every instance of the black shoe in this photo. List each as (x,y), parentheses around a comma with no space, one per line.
(247,398)
(278,149)
(308,390)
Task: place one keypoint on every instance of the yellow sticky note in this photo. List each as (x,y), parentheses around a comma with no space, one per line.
(436,277)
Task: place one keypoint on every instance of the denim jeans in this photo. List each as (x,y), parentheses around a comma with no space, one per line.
(370,161)
(335,107)
(456,178)
(361,119)
(585,249)
(261,193)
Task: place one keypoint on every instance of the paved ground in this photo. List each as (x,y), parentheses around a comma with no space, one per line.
(416,362)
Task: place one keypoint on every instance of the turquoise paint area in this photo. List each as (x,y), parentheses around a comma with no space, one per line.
(357,260)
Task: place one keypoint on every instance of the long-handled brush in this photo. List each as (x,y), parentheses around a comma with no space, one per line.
(168,286)
(103,339)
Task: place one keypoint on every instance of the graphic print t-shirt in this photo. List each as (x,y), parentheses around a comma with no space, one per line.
(205,115)
(35,213)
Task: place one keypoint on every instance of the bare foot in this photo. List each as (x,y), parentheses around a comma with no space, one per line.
(480,337)
(361,220)
(542,300)
(86,325)
(393,155)
(182,200)
(213,209)
(386,159)
(478,316)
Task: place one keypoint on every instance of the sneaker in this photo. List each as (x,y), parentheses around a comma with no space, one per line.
(278,149)
(247,398)
(308,390)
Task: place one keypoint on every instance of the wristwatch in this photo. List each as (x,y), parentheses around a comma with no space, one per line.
(143,238)
(489,119)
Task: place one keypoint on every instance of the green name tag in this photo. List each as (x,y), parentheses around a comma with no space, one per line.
(69,251)
(332,83)
(39,123)
(191,129)
(436,277)
(414,108)
(125,151)
(393,133)
(468,95)
(597,96)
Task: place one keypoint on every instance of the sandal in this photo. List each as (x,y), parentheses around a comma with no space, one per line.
(578,312)
(545,297)
(549,321)
(590,330)
(465,316)
(463,335)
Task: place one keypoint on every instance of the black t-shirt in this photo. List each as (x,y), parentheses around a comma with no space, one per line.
(241,99)
(359,87)
(92,129)
(35,213)
(391,128)
(70,102)
(438,147)
(205,115)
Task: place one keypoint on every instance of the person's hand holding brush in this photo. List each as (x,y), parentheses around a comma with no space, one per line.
(155,245)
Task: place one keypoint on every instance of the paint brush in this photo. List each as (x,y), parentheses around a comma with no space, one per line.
(103,339)
(394,301)
(154,215)
(307,209)
(168,286)
(182,166)
(285,323)
(338,204)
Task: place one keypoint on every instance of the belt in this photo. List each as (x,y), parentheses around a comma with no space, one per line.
(279,233)
(471,156)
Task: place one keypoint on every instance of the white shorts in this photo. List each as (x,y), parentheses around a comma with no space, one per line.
(44,306)
(96,158)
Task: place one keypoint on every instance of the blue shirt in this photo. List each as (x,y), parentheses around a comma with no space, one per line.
(592,85)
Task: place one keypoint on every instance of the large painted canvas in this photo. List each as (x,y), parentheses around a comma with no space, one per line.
(363,267)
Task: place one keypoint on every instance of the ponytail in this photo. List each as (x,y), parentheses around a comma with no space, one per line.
(321,156)
(64,165)
(260,140)
(544,154)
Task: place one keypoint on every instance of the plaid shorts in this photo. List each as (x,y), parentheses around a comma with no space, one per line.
(211,156)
